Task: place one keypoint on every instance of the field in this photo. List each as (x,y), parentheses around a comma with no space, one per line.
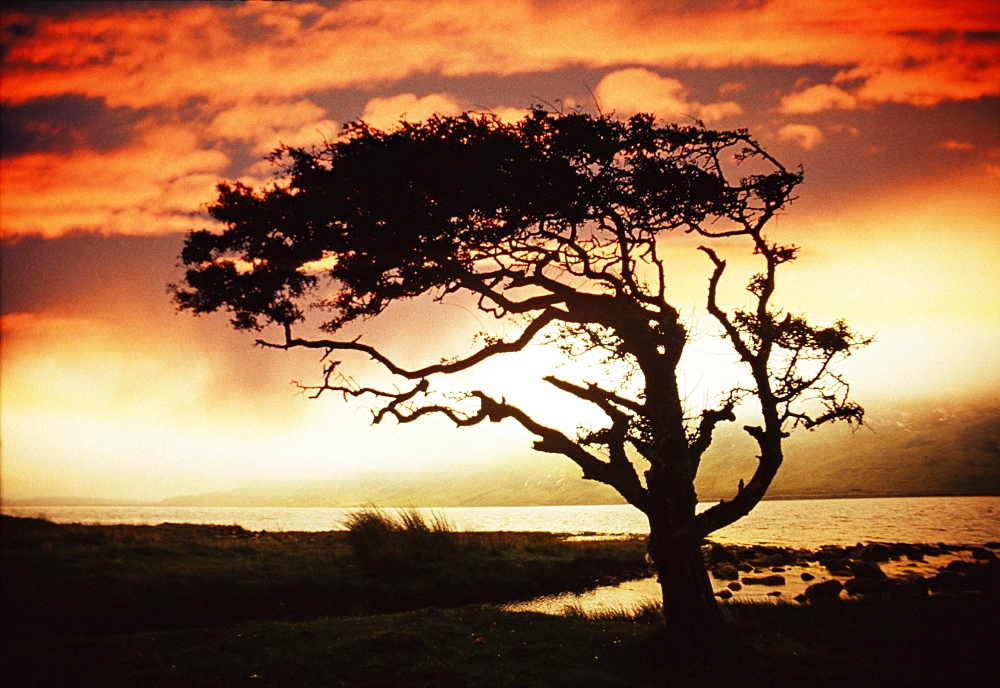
(410,604)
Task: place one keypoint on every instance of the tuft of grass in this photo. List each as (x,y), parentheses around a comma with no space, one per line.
(379,538)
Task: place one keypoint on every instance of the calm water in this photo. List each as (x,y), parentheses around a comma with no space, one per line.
(797,523)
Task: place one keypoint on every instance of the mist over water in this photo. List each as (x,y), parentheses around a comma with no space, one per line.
(791,523)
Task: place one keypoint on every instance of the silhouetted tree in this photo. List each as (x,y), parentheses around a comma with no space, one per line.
(556,225)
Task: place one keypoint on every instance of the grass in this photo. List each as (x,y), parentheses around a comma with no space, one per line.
(179,605)
(943,641)
(72,579)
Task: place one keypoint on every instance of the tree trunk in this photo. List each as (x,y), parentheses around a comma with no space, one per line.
(692,616)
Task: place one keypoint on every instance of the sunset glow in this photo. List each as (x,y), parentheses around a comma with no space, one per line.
(120,118)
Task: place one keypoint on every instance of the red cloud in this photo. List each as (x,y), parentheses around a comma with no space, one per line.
(150,187)
(917,51)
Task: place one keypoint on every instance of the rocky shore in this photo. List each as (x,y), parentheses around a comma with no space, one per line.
(834,572)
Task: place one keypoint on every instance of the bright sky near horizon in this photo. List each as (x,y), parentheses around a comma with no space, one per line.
(118,118)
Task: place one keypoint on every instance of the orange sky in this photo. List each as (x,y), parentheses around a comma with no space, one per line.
(119,118)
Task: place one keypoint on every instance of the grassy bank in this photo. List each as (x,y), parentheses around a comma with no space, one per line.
(73,579)
(176,605)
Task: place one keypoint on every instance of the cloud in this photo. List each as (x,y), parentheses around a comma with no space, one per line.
(123,117)
(807,136)
(65,123)
(953,145)
(628,91)
(265,125)
(816,99)
(386,113)
(152,186)
(915,51)
(929,83)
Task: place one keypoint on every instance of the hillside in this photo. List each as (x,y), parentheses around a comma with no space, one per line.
(948,449)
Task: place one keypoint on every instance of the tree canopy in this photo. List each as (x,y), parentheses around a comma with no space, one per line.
(556,224)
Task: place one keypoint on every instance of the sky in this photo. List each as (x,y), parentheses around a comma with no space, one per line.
(119,118)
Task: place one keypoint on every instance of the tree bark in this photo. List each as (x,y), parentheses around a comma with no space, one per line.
(692,617)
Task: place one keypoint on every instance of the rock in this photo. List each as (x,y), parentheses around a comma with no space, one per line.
(806,576)
(734,586)
(838,567)
(725,572)
(777,569)
(875,552)
(864,586)
(801,598)
(778,559)
(910,585)
(992,545)
(825,591)
(911,552)
(831,552)
(961,566)
(982,554)
(764,580)
(719,554)
(775,593)
(867,569)
(745,568)
(947,580)
(724,594)
(983,576)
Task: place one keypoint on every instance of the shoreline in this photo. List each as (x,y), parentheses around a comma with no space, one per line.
(200,605)
(738,572)
(759,573)
(799,523)
(168,503)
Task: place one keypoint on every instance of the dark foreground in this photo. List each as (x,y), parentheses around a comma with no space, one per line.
(197,606)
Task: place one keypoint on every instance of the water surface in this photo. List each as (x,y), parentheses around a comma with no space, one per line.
(791,523)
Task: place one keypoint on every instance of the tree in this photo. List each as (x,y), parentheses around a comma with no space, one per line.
(555,225)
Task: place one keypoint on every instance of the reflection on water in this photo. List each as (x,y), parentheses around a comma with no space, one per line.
(632,596)
(628,597)
(792,523)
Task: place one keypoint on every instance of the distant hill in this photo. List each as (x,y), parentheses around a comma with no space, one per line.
(939,449)
(75,501)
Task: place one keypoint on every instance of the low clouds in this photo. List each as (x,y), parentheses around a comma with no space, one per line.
(264,125)
(628,91)
(806,136)
(816,99)
(386,113)
(152,186)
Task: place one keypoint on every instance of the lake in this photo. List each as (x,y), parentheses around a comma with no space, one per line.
(793,523)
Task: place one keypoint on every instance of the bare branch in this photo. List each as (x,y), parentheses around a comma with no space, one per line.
(713,307)
(492,349)
(702,439)
(601,397)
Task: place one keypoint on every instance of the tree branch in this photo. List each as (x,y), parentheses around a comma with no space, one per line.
(536,325)
(601,397)
(713,307)
(710,418)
